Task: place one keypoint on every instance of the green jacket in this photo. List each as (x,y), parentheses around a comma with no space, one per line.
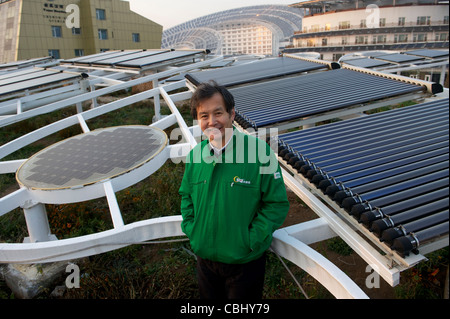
(232,204)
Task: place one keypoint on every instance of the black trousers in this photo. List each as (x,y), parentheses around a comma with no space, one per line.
(218,280)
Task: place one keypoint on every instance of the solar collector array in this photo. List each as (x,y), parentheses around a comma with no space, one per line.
(134,58)
(388,170)
(399,58)
(158,58)
(254,71)
(286,99)
(25,77)
(29,80)
(128,57)
(90,157)
(93,57)
(367,63)
(416,57)
(16,73)
(428,53)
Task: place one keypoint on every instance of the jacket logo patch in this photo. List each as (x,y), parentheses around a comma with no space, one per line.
(237,179)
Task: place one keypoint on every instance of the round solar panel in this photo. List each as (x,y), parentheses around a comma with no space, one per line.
(91,157)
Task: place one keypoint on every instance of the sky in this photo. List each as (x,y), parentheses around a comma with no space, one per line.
(169,13)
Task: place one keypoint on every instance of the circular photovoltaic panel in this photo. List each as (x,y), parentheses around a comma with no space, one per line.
(91,157)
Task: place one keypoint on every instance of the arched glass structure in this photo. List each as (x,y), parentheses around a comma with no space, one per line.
(204,32)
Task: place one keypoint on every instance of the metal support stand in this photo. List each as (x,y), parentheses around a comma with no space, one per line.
(157,103)
(37,223)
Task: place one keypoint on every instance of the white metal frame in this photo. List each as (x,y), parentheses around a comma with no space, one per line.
(293,244)
(290,242)
(42,246)
(398,67)
(51,106)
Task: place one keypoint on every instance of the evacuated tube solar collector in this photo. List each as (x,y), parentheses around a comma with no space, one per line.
(395,183)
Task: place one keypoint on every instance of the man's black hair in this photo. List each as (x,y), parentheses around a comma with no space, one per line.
(205,91)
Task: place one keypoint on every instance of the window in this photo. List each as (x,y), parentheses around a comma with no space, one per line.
(344,41)
(9,34)
(401,21)
(54,53)
(382,22)
(379,39)
(361,39)
(56,31)
(423,20)
(76,31)
(399,38)
(315,28)
(344,25)
(100,14)
(324,42)
(79,52)
(420,37)
(363,23)
(102,34)
(441,37)
(136,37)
(337,56)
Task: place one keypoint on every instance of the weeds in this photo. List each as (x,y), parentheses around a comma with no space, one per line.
(138,272)
(338,245)
(424,280)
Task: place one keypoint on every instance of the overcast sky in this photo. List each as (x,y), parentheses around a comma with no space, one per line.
(169,13)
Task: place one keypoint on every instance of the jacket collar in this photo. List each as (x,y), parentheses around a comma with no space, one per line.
(228,153)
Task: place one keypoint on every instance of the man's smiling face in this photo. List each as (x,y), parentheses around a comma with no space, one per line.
(214,119)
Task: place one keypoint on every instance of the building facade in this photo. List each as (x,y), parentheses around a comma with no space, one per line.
(70,28)
(245,38)
(336,28)
(259,30)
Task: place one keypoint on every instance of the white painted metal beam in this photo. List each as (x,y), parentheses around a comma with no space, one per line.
(13,200)
(328,274)
(93,244)
(114,208)
(10,166)
(184,129)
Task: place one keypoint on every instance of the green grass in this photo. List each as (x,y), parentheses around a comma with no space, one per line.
(138,272)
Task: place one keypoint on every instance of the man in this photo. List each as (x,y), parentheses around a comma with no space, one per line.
(233,199)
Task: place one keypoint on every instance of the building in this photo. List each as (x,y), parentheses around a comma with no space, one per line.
(246,38)
(335,28)
(70,28)
(259,30)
